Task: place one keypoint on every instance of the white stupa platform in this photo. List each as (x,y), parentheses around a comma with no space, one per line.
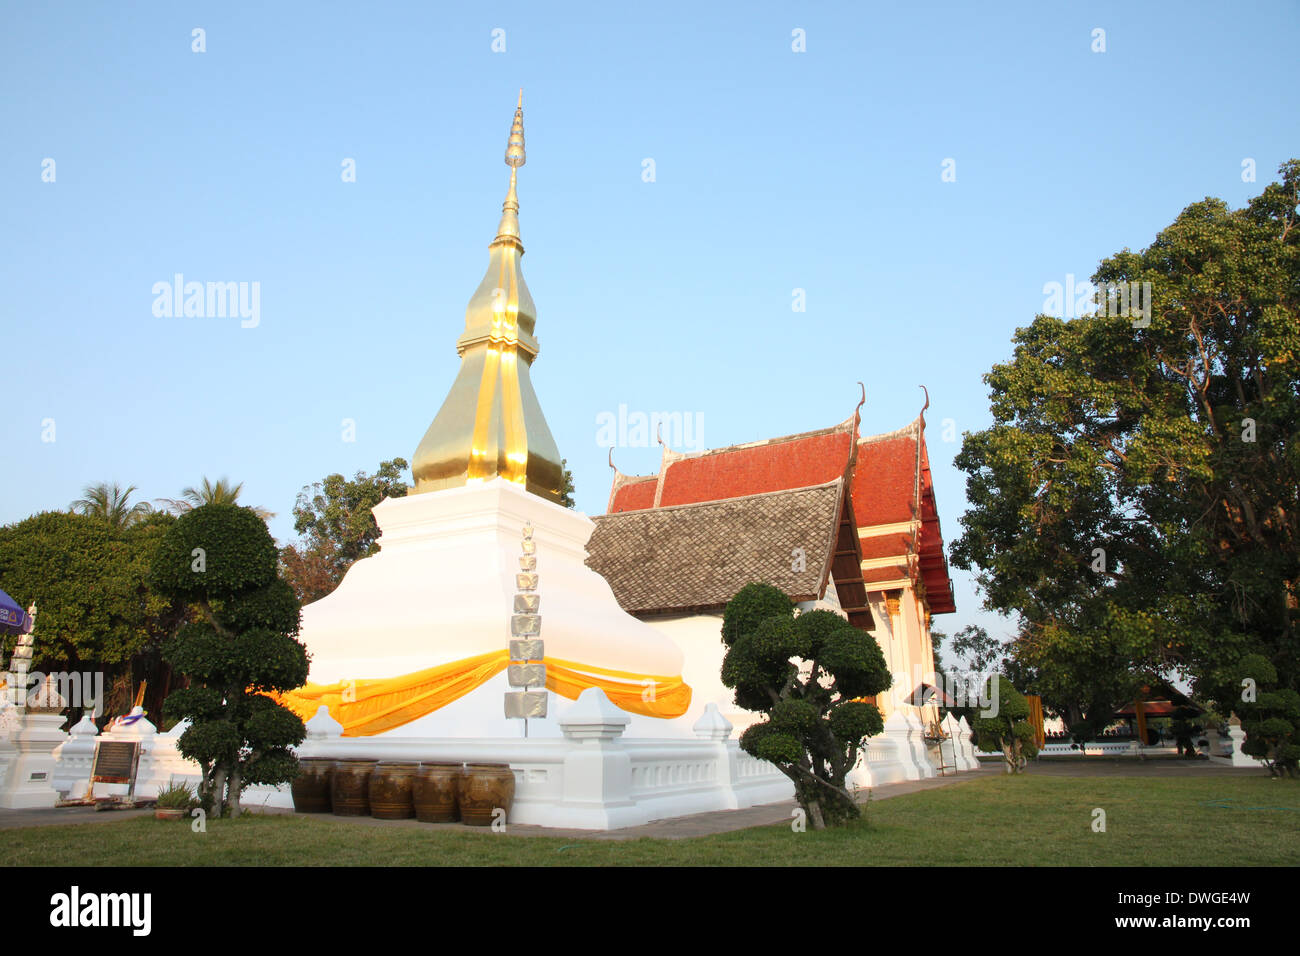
(441,590)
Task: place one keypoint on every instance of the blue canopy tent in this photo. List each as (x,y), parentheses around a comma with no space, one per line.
(13,619)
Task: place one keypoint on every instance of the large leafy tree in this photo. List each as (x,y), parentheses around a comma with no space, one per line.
(110,502)
(1135,500)
(88,577)
(222,558)
(335,519)
(807,675)
(978,650)
(1083,681)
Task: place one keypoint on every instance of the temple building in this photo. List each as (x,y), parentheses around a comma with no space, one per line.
(834,519)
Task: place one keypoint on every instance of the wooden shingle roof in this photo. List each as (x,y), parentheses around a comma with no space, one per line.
(695,557)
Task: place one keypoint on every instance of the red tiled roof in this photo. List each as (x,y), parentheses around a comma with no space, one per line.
(778,465)
(885,484)
(632,493)
(885,545)
(881,575)
(884,481)
(934,564)
(884,472)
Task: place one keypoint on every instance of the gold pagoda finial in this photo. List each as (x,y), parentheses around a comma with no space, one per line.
(515,157)
(491,425)
(515,145)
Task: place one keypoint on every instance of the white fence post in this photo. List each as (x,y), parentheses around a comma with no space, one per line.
(597,768)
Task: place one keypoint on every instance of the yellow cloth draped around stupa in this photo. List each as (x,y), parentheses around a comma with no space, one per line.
(373,706)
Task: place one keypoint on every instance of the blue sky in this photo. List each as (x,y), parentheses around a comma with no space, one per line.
(774,171)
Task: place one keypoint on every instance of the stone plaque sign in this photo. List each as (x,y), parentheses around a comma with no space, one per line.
(115,762)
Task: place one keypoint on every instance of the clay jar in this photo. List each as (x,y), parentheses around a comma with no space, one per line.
(311,788)
(484,788)
(390,790)
(435,792)
(350,787)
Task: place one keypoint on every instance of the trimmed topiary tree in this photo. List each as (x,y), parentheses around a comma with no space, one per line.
(1009,730)
(1269,716)
(222,558)
(804,673)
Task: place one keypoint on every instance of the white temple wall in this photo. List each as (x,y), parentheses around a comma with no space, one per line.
(885,633)
(920,650)
(700,638)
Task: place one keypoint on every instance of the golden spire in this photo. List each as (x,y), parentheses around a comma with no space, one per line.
(491,424)
(509,228)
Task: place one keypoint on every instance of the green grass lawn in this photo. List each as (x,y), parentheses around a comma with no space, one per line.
(1043,821)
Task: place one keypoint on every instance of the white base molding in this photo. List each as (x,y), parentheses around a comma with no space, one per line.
(590,778)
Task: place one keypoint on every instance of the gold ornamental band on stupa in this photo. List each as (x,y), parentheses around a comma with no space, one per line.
(490,424)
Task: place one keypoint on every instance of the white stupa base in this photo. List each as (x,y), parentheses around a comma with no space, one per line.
(590,778)
(27,780)
(441,590)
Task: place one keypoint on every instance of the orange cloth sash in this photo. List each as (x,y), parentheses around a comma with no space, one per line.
(373,706)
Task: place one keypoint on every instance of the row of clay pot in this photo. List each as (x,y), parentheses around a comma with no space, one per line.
(398,790)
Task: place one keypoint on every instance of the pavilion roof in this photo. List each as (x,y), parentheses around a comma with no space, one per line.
(695,557)
(887,475)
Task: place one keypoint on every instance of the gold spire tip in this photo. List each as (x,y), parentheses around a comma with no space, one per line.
(515,145)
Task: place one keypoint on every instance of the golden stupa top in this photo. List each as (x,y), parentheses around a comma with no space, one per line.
(491,424)
(509,228)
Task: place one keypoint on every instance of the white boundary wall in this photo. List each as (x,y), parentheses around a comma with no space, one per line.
(591,778)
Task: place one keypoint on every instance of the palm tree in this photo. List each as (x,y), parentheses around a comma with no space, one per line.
(112,503)
(222,492)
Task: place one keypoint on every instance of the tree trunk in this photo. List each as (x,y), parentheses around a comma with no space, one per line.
(234,786)
(815,815)
(217,797)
